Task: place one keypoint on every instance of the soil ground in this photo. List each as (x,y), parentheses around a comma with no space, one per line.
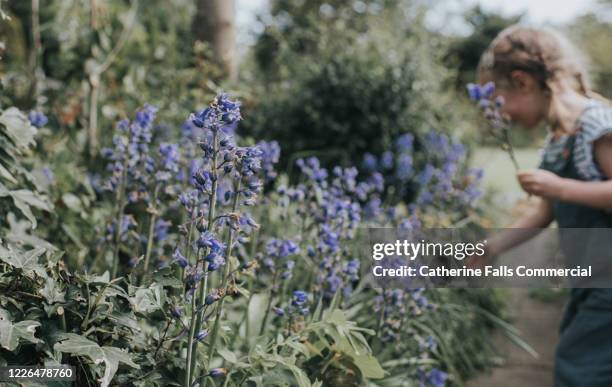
(538,322)
(536,319)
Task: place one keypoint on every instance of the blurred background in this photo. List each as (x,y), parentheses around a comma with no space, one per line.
(331,78)
(337,79)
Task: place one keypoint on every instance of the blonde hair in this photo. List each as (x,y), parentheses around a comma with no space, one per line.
(544,53)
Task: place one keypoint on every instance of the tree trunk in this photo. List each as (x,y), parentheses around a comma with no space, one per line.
(214,24)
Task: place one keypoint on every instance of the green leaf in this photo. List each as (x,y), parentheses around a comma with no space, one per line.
(32,199)
(227,355)
(4,191)
(11,334)
(26,261)
(52,292)
(25,210)
(148,300)
(24,199)
(299,375)
(20,234)
(18,127)
(369,366)
(80,346)
(72,202)
(4,173)
(77,345)
(112,357)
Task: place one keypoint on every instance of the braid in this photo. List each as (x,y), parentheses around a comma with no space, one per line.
(544,53)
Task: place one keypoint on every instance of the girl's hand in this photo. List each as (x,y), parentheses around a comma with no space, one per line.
(541,183)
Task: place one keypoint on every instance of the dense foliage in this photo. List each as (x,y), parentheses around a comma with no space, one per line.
(193,275)
(327,74)
(186,249)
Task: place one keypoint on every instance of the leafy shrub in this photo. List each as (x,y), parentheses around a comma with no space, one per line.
(349,90)
(199,274)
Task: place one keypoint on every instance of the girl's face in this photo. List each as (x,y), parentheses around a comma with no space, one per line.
(525,101)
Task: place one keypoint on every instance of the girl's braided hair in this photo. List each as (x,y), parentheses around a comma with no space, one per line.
(544,53)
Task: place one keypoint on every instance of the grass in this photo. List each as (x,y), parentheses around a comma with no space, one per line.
(499,174)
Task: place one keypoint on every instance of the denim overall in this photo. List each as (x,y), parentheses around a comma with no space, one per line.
(584,354)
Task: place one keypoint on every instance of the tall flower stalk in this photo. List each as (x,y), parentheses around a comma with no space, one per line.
(499,125)
(130,165)
(227,172)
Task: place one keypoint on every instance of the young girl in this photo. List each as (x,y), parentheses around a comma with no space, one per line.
(541,79)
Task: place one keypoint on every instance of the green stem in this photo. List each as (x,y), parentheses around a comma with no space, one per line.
(151,232)
(199,311)
(203,290)
(247,314)
(267,313)
(120,199)
(190,347)
(228,256)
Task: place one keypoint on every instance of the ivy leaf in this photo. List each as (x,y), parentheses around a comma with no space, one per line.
(228,355)
(148,300)
(298,374)
(72,202)
(52,292)
(25,199)
(369,366)
(11,334)
(77,345)
(26,261)
(112,357)
(19,234)
(5,174)
(18,127)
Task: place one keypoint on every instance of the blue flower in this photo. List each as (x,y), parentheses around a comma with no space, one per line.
(270,155)
(144,118)
(48,174)
(202,118)
(212,297)
(299,298)
(487,89)
(312,170)
(229,110)
(425,175)
(37,118)
(208,240)
(437,378)
(180,259)
(218,372)
(215,263)
(404,143)
(333,282)
(404,167)
(201,335)
(474,91)
(377,181)
(352,269)
(160,230)
(288,247)
(223,114)
(386,160)
(369,162)
(169,163)
(175,311)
